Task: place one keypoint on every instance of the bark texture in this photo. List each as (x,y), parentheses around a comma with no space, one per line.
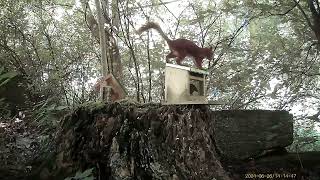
(129,142)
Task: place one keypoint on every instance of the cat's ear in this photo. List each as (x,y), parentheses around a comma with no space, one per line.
(210,47)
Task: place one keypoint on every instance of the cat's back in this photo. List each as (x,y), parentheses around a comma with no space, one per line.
(183,44)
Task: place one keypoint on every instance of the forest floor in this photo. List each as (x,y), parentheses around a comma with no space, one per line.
(16,148)
(20,147)
(299,166)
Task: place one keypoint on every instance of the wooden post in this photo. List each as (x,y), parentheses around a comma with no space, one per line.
(105,93)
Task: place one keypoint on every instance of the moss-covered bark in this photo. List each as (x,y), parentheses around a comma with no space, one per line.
(131,142)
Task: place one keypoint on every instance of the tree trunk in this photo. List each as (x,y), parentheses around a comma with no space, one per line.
(149,68)
(133,142)
(114,50)
(102,36)
(315,11)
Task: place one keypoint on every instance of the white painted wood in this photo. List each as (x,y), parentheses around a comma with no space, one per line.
(187,68)
(177,85)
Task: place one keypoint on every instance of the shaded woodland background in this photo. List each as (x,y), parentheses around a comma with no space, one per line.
(266,55)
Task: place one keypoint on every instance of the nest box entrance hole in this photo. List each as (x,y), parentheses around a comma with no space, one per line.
(196,84)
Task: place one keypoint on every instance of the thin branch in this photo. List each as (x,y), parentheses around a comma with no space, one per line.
(156,4)
(210,24)
(309,49)
(200,25)
(253,99)
(284,13)
(169,10)
(303,13)
(178,21)
(232,39)
(318,6)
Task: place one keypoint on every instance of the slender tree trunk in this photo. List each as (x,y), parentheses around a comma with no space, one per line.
(149,68)
(114,50)
(136,68)
(142,86)
(315,11)
(125,28)
(105,15)
(102,35)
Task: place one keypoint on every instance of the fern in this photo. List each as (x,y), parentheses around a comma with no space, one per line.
(86,175)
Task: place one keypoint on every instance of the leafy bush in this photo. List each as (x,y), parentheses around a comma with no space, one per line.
(5,77)
(47,113)
(4,109)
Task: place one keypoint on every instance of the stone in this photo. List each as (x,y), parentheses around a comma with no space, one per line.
(241,134)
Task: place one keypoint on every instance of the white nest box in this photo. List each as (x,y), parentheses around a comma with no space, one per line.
(184,85)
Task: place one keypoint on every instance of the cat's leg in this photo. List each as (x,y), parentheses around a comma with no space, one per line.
(170,55)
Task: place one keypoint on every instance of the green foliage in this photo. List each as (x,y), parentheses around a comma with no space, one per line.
(85,175)
(306,138)
(4,109)
(5,77)
(47,113)
(49,43)
(263,51)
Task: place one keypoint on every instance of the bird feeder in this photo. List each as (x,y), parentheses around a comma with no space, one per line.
(184,85)
(110,89)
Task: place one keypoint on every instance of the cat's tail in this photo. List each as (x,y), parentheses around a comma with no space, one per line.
(153,25)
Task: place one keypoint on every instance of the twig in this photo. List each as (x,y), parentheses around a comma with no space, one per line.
(304,14)
(299,157)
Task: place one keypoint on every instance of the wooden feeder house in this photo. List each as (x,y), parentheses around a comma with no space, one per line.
(184,85)
(110,89)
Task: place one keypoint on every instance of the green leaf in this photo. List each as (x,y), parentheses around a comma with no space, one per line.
(6,77)
(84,174)
(59,108)
(89,178)
(4,82)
